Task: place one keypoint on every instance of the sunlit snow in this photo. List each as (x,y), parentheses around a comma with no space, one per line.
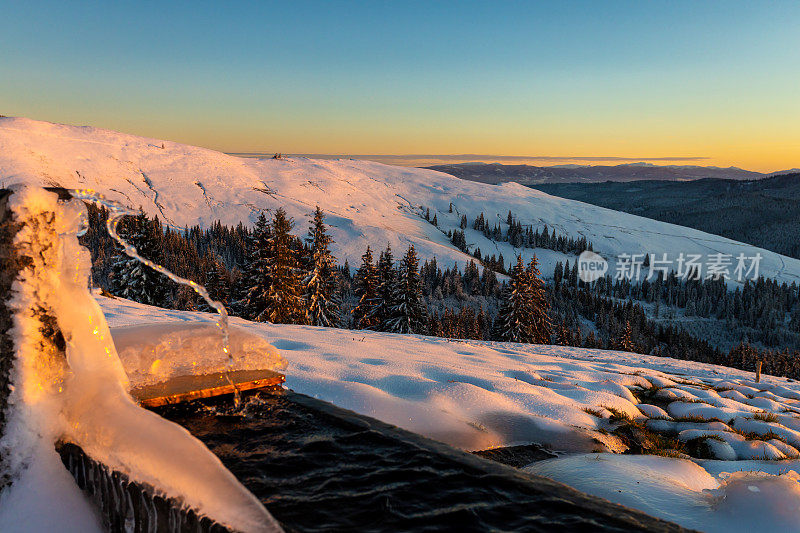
(476,395)
(366,203)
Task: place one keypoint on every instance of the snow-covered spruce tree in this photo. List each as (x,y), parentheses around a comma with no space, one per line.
(217,281)
(285,303)
(408,313)
(540,308)
(514,320)
(253,286)
(320,281)
(380,313)
(366,290)
(625,343)
(132,279)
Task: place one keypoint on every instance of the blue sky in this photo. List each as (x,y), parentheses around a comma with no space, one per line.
(623,79)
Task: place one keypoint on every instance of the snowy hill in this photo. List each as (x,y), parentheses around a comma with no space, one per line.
(366,202)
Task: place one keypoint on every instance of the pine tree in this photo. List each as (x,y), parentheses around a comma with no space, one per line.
(408,313)
(131,278)
(255,281)
(285,304)
(625,343)
(558,274)
(320,281)
(514,319)
(366,290)
(216,283)
(540,308)
(524,311)
(379,314)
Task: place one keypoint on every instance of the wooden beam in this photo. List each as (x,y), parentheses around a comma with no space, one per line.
(187,388)
(126,505)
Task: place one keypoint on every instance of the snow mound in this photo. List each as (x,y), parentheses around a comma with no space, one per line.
(682,492)
(152,353)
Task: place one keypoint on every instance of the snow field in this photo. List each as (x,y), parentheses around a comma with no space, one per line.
(476,395)
(684,492)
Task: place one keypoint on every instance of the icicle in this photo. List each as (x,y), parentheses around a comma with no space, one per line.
(116,212)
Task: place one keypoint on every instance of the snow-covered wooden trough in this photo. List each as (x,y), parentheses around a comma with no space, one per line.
(64,398)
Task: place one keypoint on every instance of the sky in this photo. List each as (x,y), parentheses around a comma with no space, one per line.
(711,83)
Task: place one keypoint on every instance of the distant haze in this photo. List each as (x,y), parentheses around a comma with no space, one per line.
(537,175)
(530,170)
(421,160)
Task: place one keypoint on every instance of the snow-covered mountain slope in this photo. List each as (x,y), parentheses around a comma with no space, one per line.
(476,395)
(366,202)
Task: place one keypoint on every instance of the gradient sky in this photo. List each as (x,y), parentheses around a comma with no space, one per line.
(715,80)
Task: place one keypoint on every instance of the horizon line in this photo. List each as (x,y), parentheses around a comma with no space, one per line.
(476,157)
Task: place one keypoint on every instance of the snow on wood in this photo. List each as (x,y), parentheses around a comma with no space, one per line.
(66,383)
(154,353)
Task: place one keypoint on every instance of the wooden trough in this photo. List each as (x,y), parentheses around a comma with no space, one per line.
(187,388)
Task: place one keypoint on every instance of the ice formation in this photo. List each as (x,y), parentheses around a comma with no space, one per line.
(155,352)
(116,212)
(83,398)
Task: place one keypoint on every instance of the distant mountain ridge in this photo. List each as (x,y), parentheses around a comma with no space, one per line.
(535,175)
(763,212)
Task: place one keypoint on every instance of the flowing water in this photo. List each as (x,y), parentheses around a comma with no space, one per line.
(115,213)
(320,468)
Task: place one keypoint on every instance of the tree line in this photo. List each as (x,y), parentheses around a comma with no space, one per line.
(265,273)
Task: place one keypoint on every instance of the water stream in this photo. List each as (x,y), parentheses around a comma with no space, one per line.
(115,213)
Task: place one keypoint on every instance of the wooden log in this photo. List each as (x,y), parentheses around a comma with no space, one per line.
(187,388)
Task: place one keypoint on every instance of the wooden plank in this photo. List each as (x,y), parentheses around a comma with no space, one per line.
(187,388)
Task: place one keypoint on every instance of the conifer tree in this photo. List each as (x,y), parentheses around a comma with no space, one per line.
(540,308)
(514,319)
(366,290)
(524,311)
(285,304)
(255,281)
(408,313)
(558,274)
(320,281)
(216,283)
(625,343)
(381,312)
